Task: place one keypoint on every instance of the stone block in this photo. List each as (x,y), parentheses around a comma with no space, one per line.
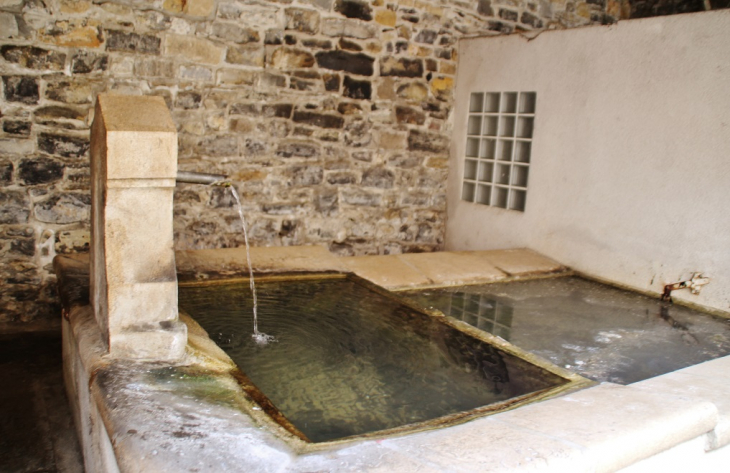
(14,207)
(288,58)
(6,171)
(386,17)
(509,15)
(218,146)
(78,177)
(86,62)
(317,43)
(245,109)
(75,6)
(40,170)
(154,67)
(442,88)
(528,18)
(519,262)
(401,67)
(21,89)
(331,82)
(374,47)
(325,5)
(354,9)
(426,141)
(133,277)
(272,80)
(191,72)
(71,35)
(61,116)
(392,140)
(12,5)
(448,269)
(17,127)
(63,145)
(356,89)
(354,63)
(64,208)
(23,247)
(348,28)
(298,150)
(274,37)
(446,67)
(8,25)
(366,156)
(360,197)
(349,108)
(135,137)
(283,208)
(308,85)
(649,422)
(235,33)
(326,202)
(437,162)
(188,100)
(34,58)
(16,146)
(706,381)
(357,133)
(305,175)
(378,177)
(447,53)
(278,110)
(426,36)
(77,91)
(300,19)
(339,178)
(484,8)
(246,55)
(322,120)
(236,77)
(415,199)
(198,8)
(254,147)
(348,45)
(194,49)
(387,271)
(409,115)
(500,27)
(72,241)
(126,41)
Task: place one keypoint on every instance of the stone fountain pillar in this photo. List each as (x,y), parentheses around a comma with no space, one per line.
(133,278)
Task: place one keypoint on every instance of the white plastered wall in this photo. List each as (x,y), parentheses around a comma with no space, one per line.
(630,170)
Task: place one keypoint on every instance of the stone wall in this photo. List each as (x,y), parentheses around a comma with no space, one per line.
(333,117)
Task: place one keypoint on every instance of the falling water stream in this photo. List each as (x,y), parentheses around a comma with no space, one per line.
(260,337)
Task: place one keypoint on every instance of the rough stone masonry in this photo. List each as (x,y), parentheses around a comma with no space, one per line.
(331,116)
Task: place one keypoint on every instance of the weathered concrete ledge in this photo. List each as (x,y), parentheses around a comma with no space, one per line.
(193,416)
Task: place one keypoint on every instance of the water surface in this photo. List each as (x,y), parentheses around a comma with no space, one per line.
(597,331)
(349,361)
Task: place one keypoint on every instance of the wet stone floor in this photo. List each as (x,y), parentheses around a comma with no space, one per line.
(36,426)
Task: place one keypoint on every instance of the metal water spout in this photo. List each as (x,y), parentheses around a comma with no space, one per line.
(190,177)
(694,284)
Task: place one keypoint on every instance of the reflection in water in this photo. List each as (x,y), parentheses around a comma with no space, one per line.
(600,332)
(349,361)
(481,311)
(480,358)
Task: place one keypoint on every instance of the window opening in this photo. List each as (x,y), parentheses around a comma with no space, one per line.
(498,146)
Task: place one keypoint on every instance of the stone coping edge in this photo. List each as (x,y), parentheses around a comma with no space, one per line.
(146,410)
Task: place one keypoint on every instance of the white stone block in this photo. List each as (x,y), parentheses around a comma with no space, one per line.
(133,278)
